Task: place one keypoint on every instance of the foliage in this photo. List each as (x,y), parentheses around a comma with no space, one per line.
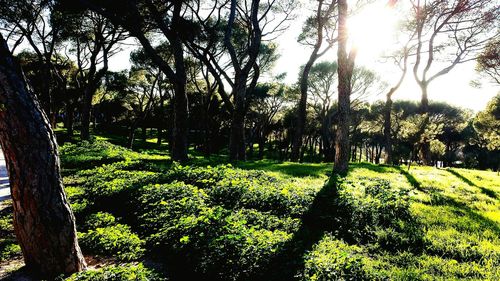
(128,272)
(229,223)
(487,124)
(373,212)
(100,219)
(335,260)
(8,244)
(116,241)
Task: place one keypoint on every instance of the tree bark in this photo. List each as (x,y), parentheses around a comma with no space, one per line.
(237,137)
(43,221)
(345,68)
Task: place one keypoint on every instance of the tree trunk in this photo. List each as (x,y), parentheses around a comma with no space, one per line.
(43,221)
(237,137)
(70,117)
(424,109)
(262,143)
(345,68)
(302,109)
(387,130)
(86,108)
(180,130)
(144,131)
(131,135)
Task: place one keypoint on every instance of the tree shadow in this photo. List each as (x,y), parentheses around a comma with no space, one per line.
(292,169)
(410,178)
(438,198)
(318,220)
(20,274)
(373,167)
(488,192)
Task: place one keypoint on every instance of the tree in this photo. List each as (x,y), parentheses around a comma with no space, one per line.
(166,19)
(488,61)
(319,27)
(487,124)
(95,40)
(43,221)
(454,31)
(401,60)
(233,50)
(345,70)
(37,23)
(322,79)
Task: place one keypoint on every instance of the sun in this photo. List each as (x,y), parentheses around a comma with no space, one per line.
(372,30)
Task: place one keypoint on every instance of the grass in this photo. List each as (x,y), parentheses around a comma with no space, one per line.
(267,220)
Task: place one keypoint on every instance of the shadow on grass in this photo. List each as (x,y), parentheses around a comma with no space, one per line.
(410,178)
(19,272)
(373,167)
(289,168)
(319,219)
(439,199)
(484,190)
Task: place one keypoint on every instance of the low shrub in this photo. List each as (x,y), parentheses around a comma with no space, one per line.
(8,243)
(9,249)
(99,220)
(127,272)
(372,212)
(183,227)
(333,259)
(115,241)
(235,188)
(85,154)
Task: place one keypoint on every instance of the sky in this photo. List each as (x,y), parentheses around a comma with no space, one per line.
(371,36)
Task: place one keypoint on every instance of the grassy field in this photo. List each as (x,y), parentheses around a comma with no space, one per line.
(265,220)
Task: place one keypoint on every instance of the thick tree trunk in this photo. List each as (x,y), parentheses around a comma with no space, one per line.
(345,68)
(43,221)
(237,137)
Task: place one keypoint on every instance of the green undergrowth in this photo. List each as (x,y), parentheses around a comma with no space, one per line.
(8,244)
(265,220)
(123,272)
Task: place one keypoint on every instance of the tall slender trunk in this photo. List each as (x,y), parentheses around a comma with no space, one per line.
(425,152)
(43,221)
(345,68)
(302,109)
(304,83)
(387,129)
(86,108)
(70,117)
(180,130)
(131,135)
